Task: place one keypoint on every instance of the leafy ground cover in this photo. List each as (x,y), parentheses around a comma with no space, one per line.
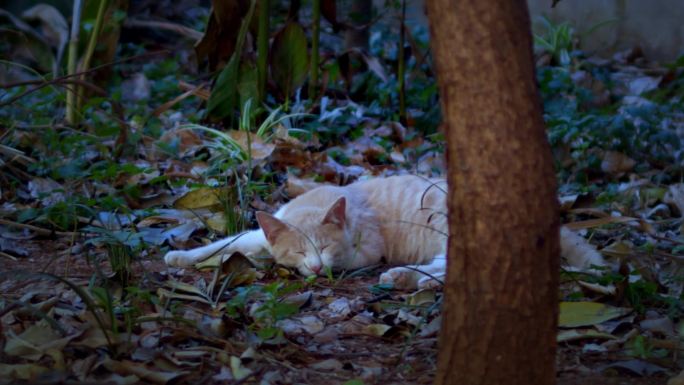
(88,211)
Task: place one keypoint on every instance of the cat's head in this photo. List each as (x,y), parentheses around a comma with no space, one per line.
(318,238)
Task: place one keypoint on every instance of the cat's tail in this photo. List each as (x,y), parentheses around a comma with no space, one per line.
(579,255)
(248,243)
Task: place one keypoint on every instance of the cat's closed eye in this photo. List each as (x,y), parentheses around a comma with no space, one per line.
(322,248)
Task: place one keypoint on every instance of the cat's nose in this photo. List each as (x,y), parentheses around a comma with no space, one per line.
(315,268)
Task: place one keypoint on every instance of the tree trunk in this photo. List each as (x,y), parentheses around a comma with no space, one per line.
(500,299)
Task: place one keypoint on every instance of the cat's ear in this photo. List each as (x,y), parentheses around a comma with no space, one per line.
(336,213)
(271,226)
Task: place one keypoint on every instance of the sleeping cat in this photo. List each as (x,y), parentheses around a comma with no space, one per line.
(401,219)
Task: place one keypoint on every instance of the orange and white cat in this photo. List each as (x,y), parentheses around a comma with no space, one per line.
(401,219)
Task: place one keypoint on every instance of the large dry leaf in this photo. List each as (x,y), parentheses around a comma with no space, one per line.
(238,370)
(235,263)
(598,288)
(616,163)
(165,294)
(675,197)
(55,29)
(327,365)
(299,300)
(155,376)
(298,325)
(247,140)
(218,41)
(24,372)
(47,190)
(677,380)
(618,249)
(638,367)
(201,198)
(34,342)
(422,297)
(377,330)
(582,334)
(297,186)
(187,140)
(575,314)
(590,223)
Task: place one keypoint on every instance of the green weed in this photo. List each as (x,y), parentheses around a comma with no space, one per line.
(269,309)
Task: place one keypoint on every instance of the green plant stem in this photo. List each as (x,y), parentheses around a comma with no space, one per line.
(315,38)
(262,49)
(402,65)
(71,60)
(90,49)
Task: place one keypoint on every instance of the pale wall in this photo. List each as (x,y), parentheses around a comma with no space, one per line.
(655,25)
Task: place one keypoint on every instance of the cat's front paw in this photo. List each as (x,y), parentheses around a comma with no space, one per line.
(400,277)
(177,258)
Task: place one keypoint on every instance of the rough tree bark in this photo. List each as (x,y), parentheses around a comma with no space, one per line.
(500,307)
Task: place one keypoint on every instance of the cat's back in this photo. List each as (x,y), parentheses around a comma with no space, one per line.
(403,194)
(412,212)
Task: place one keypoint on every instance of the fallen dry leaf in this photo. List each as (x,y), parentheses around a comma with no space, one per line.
(126,367)
(616,163)
(201,198)
(582,334)
(252,144)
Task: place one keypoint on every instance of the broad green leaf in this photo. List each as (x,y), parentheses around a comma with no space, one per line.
(247,84)
(354,382)
(289,58)
(283,310)
(221,103)
(575,314)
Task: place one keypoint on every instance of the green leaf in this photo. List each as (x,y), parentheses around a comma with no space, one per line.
(289,58)
(221,103)
(354,382)
(247,85)
(574,314)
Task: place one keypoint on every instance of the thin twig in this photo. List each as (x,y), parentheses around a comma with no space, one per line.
(62,78)
(38,230)
(180,29)
(3,254)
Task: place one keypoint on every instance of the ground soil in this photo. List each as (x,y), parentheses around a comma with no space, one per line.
(402,361)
